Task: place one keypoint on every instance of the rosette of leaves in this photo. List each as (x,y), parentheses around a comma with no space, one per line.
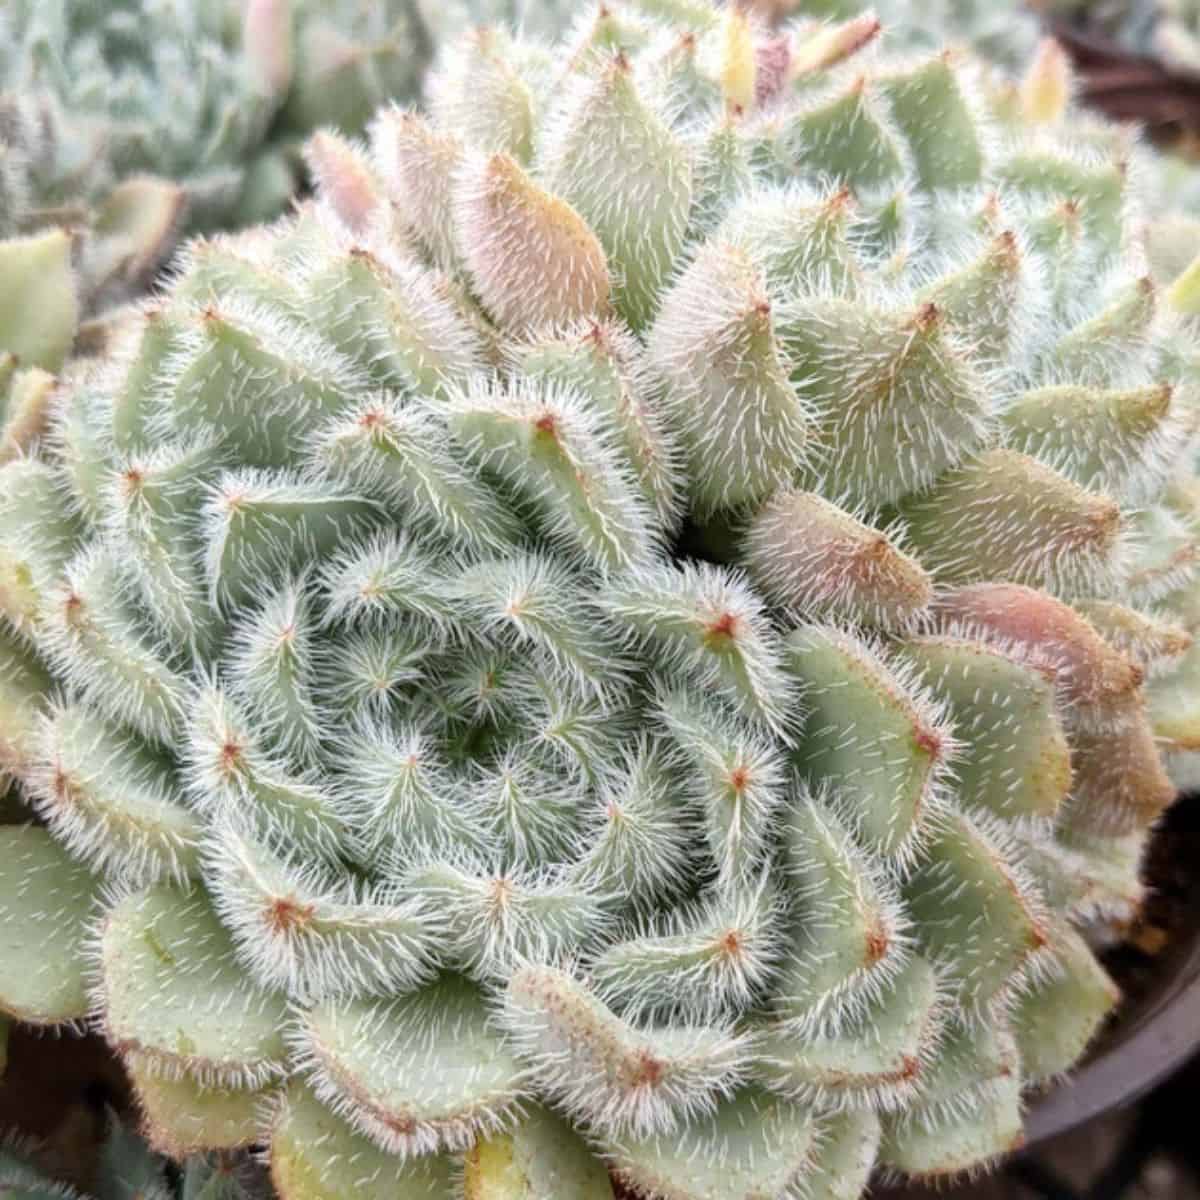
(109,91)
(118,123)
(411,802)
(122,124)
(211,96)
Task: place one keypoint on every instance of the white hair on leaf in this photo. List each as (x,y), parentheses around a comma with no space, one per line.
(608,1073)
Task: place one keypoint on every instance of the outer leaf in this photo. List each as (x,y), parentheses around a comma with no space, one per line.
(603,1070)
(541,1159)
(416,1075)
(753,1145)
(172,990)
(872,734)
(1014,758)
(977,917)
(316,1155)
(46,902)
(111,802)
(1062,1011)
(39,310)
(181,1117)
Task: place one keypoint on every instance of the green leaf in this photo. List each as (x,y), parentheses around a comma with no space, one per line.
(846,138)
(1062,1009)
(847,931)
(181,1117)
(418,1074)
(1014,761)
(640,212)
(24,692)
(973,914)
(395,316)
(606,365)
(752,1145)
(817,561)
(615,1076)
(845,1156)
(254,376)
(744,428)
(796,238)
(940,122)
(112,802)
(872,735)
(38,533)
(317,1155)
(479,96)
(897,397)
(261,525)
(95,636)
(867,1048)
(984,301)
(39,308)
(705,624)
(173,991)
(543,1158)
(1006,516)
(971,1112)
(734,779)
(564,461)
(46,903)
(229,775)
(1120,442)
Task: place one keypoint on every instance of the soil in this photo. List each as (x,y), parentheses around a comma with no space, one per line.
(1163,100)
(56,1091)
(1164,931)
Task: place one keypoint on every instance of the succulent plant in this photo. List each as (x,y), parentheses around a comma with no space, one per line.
(97,93)
(611,643)
(351,56)
(122,125)
(210,96)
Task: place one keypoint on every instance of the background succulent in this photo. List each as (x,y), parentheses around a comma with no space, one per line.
(102,92)
(426,813)
(211,96)
(123,125)
(1002,34)
(127,1169)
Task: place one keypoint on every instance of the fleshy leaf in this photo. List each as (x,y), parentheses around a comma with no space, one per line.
(181,1117)
(317,1155)
(174,992)
(46,902)
(543,1158)
(1061,1011)
(872,734)
(753,1145)
(417,1075)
